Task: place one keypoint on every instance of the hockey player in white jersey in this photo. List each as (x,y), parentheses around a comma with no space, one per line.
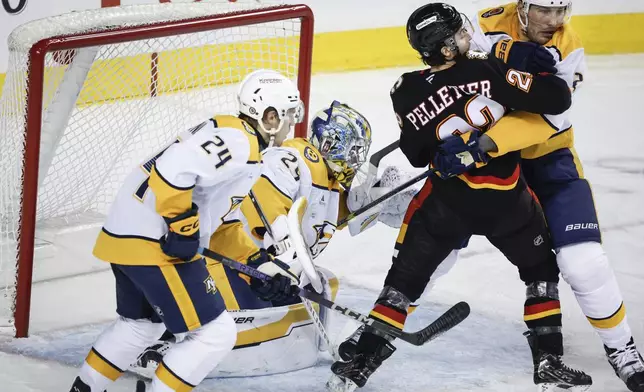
(515,32)
(166,208)
(277,335)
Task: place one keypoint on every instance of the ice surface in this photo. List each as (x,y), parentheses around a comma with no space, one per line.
(484,353)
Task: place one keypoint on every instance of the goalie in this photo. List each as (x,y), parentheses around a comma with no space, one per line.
(276,334)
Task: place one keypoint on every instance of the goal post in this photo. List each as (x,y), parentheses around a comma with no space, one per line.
(90,94)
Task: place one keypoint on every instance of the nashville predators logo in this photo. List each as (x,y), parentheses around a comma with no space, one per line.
(235,201)
(211,288)
(323,235)
(311,155)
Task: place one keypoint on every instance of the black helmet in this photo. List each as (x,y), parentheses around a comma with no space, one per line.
(430,27)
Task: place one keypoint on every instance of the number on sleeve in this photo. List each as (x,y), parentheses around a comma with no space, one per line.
(291,164)
(223,154)
(521,80)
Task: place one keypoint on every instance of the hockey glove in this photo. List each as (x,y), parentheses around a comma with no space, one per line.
(283,283)
(459,154)
(525,56)
(182,239)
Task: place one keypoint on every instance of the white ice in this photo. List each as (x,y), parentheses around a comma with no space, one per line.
(486,352)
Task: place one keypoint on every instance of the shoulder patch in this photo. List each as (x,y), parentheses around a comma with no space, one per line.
(476,55)
(311,155)
(492,12)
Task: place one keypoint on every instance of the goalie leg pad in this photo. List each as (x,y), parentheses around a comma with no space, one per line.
(187,363)
(117,348)
(587,270)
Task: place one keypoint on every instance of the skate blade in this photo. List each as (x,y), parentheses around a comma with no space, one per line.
(337,384)
(557,388)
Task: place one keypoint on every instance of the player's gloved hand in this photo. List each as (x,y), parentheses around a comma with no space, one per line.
(283,283)
(182,239)
(459,154)
(525,56)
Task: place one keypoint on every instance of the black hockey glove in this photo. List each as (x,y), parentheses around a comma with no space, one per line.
(525,56)
(282,284)
(182,239)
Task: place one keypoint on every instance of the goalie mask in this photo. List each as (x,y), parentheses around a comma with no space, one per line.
(343,137)
(272,100)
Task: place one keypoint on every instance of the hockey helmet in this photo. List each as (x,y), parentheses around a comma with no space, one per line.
(524,7)
(431,27)
(264,90)
(343,137)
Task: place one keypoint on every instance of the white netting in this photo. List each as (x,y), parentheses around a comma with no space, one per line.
(135,97)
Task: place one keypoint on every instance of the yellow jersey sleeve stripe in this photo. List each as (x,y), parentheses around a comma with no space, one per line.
(273,201)
(170,200)
(518,130)
(102,365)
(170,379)
(235,122)
(181,296)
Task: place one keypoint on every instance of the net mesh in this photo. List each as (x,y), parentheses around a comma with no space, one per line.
(106,108)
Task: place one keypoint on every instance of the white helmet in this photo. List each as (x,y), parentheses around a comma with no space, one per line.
(267,89)
(544,3)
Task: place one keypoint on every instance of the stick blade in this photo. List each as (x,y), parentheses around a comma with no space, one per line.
(448,320)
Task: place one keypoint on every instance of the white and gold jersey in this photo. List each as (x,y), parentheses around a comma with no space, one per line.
(493,25)
(210,165)
(294,170)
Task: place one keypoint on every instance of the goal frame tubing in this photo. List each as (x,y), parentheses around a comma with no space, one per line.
(33,115)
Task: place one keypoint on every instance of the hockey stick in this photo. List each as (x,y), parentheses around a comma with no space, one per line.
(387,195)
(375,159)
(307,304)
(445,322)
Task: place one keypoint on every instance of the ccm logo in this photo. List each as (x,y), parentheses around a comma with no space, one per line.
(187,228)
(582,226)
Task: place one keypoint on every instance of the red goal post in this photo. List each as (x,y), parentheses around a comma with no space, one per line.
(34,200)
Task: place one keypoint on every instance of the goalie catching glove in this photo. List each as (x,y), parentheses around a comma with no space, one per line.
(391,211)
(182,239)
(283,283)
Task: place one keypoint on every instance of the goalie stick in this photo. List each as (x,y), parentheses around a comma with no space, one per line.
(307,304)
(442,324)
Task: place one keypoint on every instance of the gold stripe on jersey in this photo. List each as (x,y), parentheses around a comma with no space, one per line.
(102,365)
(181,296)
(565,40)
(251,134)
(314,161)
(170,200)
(131,250)
(343,209)
(518,130)
(565,139)
(296,314)
(171,380)
(271,199)
(611,321)
(231,240)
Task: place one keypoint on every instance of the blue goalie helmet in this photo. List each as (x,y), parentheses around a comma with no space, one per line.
(343,137)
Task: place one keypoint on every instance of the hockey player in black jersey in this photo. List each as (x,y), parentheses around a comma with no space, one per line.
(449,105)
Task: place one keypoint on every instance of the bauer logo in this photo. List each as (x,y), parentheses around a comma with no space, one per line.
(311,155)
(14,7)
(582,226)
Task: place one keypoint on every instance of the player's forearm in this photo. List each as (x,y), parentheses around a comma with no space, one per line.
(516,131)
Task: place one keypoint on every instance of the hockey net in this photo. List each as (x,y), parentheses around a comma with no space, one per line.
(87,96)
